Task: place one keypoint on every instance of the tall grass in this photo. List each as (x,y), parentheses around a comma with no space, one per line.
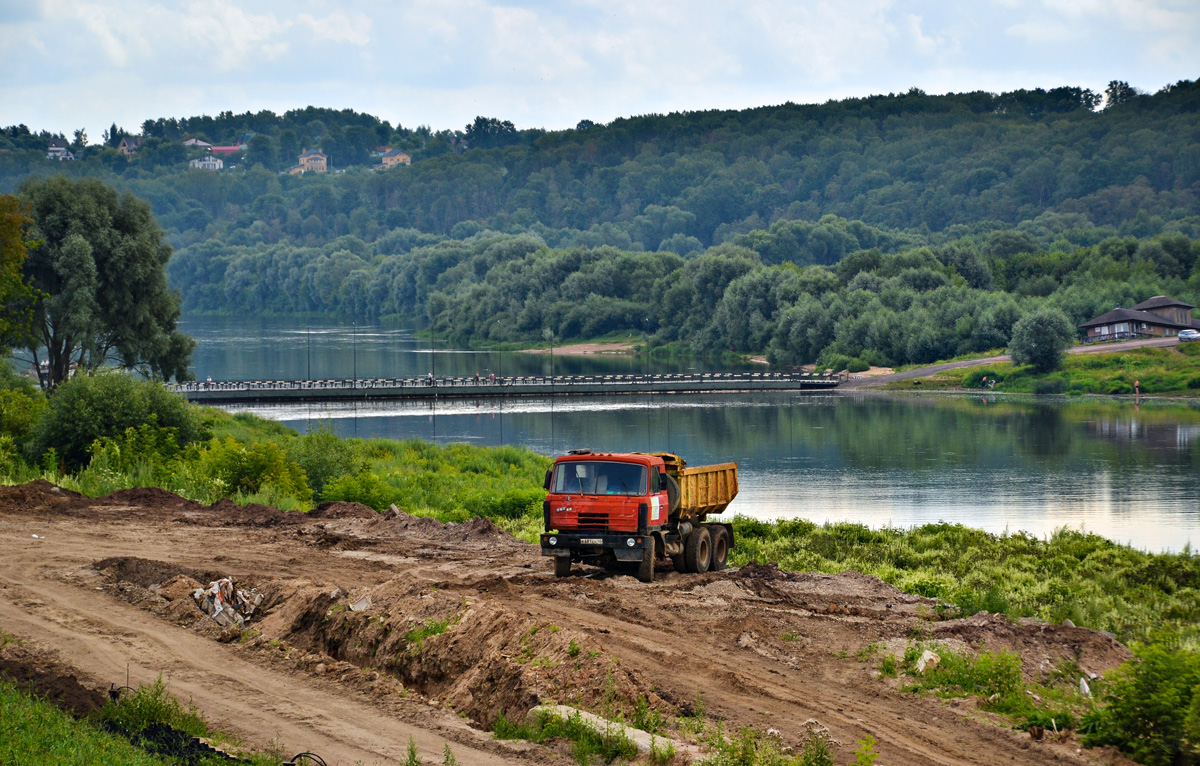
(35,731)
(1070,575)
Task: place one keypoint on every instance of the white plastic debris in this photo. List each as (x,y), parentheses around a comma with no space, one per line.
(225,603)
(928,662)
(1084,689)
(361,604)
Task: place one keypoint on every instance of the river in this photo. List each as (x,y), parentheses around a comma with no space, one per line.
(1128,472)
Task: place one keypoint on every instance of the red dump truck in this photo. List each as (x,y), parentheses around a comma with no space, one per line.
(605,508)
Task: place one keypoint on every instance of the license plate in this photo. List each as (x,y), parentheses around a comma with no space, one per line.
(591,541)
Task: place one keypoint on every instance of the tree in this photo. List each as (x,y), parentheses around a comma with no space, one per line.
(489,132)
(1040,337)
(100,266)
(1119,92)
(16,298)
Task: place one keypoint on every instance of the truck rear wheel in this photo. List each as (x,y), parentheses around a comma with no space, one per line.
(562,566)
(720,548)
(697,551)
(645,571)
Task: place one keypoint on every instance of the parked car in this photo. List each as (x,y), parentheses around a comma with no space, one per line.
(1186,335)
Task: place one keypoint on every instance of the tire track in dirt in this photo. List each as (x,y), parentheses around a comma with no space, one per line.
(259,705)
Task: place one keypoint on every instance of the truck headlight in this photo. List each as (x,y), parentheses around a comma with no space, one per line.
(630,542)
(552,540)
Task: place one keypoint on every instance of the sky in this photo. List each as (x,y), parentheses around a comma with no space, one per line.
(68,64)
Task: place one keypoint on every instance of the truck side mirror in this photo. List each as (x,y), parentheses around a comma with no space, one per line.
(546,482)
(662,482)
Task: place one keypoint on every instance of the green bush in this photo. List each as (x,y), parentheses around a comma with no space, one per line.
(365,488)
(324,457)
(1150,708)
(90,407)
(20,409)
(249,468)
(857,365)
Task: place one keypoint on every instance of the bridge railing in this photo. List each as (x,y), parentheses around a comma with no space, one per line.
(617,380)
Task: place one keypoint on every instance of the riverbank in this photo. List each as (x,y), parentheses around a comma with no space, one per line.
(585,349)
(1160,366)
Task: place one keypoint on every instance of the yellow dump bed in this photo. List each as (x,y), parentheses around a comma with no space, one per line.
(703,489)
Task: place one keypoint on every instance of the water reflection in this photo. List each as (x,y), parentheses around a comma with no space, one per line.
(993,462)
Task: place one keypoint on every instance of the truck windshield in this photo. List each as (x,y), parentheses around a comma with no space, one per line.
(598,477)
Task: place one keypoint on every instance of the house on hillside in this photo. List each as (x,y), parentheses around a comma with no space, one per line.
(311,161)
(1160,316)
(225,151)
(195,143)
(393,158)
(207,162)
(129,145)
(59,150)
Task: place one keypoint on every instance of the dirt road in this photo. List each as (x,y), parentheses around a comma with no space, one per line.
(465,623)
(933,369)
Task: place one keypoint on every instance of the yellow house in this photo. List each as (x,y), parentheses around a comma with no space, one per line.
(393,158)
(311,161)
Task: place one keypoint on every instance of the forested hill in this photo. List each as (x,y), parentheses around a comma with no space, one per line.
(679,181)
(685,225)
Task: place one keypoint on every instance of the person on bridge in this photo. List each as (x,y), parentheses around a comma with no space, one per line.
(477,377)
(429,378)
(492,378)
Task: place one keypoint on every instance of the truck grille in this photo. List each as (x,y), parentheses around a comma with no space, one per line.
(592,521)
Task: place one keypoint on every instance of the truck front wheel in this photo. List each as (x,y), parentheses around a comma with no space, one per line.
(720,548)
(562,566)
(698,551)
(645,571)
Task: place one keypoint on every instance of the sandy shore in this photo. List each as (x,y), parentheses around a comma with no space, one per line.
(585,349)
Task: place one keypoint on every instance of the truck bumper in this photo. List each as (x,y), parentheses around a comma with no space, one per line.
(625,547)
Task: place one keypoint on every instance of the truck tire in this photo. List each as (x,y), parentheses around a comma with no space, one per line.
(562,566)
(672,495)
(645,571)
(679,562)
(697,552)
(720,548)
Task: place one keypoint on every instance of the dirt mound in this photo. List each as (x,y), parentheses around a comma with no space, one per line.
(1040,645)
(757,571)
(36,495)
(338,509)
(483,659)
(228,513)
(478,529)
(146,573)
(149,497)
(42,674)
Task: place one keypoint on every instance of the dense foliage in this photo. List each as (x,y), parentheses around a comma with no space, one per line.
(16,297)
(99,270)
(901,228)
(691,179)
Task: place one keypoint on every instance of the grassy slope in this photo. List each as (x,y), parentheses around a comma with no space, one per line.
(1174,370)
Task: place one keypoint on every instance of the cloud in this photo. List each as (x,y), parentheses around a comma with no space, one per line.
(339,27)
(543,63)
